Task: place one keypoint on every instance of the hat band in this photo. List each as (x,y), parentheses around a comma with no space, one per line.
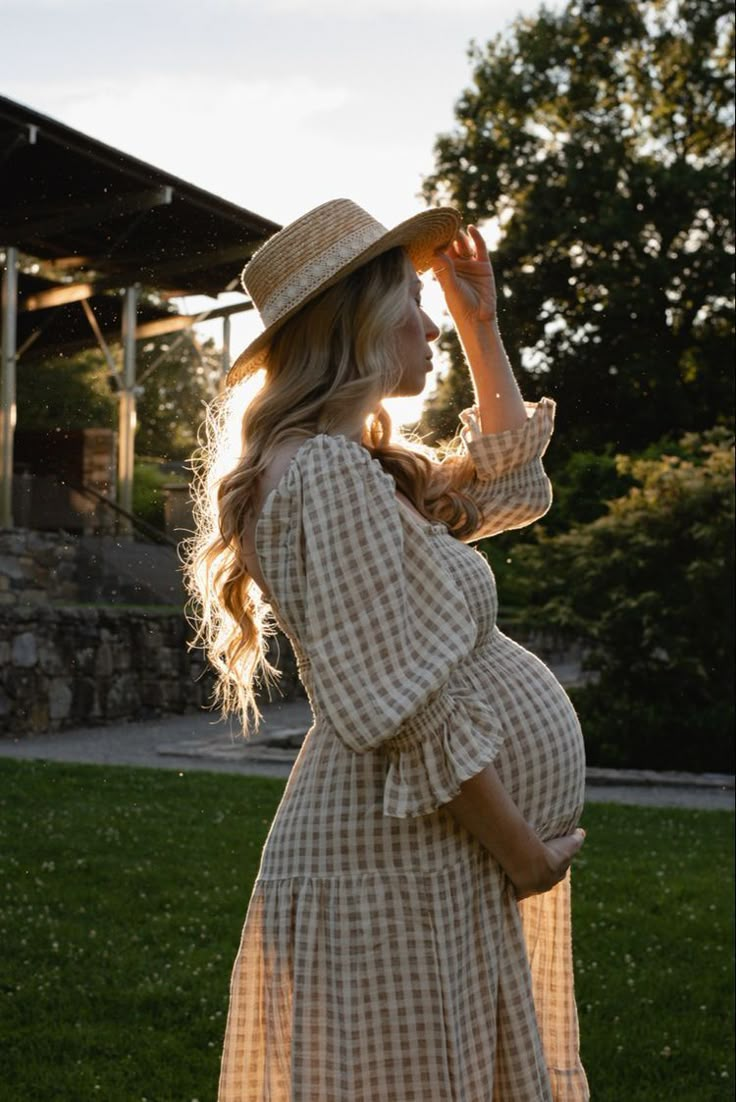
(313,274)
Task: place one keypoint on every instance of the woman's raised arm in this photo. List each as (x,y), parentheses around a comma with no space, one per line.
(465,274)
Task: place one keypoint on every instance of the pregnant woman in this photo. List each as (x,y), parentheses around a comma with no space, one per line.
(408,936)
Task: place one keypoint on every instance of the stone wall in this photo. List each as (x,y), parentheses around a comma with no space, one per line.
(67,664)
(62,667)
(50,567)
(71,667)
(36,567)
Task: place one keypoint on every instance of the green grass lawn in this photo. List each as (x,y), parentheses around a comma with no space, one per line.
(124,891)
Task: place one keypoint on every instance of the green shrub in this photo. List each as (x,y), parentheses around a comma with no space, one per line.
(583,485)
(647,589)
(148,491)
(69,391)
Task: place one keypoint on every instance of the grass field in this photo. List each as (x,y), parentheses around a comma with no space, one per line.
(123,892)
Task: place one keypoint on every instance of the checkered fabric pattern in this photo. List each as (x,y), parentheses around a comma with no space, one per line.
(384,956)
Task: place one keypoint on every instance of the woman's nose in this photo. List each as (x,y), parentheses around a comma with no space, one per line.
(431,331)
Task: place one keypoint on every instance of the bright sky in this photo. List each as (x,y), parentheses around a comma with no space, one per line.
(276,105)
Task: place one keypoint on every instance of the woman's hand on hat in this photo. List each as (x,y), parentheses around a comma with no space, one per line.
(464,272)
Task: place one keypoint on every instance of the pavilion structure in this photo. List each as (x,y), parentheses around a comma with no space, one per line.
(84,229)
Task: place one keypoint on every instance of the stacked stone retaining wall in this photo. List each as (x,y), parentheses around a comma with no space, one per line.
(62,667)
(37,567)
(68,667)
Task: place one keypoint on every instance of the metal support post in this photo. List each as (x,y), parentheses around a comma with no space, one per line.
(126,412)
(225,345)
(7,384)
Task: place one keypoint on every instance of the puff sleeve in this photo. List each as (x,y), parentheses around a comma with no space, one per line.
(509,484)
(383,629)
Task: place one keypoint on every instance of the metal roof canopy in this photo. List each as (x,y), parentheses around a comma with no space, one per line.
(102,213)
(54,319)
(99,219)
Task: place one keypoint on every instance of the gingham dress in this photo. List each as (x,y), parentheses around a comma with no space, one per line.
(384,956)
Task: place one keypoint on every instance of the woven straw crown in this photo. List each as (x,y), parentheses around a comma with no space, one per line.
(321,248)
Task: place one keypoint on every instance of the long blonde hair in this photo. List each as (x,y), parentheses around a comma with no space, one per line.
(337,354)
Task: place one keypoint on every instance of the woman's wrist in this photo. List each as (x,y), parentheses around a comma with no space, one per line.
(526,861)
(478,332)
(497,392)
(521,854)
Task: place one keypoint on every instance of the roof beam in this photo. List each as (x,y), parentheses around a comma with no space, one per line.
(65,293)
(18,224)
(74,292)
(176,322)
(66,263)
(25,135)
(80,292)
(59,296)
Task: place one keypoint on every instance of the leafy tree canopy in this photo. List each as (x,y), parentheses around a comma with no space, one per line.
(65,392)
(600,139)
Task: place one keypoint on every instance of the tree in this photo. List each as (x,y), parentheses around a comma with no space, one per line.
(600,139)
(179,377)
(70,392)
(176,377)
(648,590)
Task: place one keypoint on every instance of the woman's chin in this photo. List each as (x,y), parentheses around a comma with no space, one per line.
(411,389)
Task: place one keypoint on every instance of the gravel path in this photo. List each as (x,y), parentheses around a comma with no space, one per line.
(200,741)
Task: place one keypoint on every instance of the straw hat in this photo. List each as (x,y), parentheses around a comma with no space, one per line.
(318,250)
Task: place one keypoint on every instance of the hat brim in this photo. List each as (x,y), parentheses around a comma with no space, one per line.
(420,235)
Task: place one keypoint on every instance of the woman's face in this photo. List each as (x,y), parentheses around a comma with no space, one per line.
(413,337)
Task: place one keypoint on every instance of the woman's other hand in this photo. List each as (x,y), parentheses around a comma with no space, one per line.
(549,867)
(465,274)
(485,809)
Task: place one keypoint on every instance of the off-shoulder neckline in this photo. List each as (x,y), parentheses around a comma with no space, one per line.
(424,525)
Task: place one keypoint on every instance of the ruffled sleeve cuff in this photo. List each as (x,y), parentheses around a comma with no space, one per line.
(446,743)
(495,454)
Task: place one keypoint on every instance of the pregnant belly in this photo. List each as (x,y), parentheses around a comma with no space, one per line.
(542,761)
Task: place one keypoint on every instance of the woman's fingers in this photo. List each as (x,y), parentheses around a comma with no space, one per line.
(443,269)
(467,245)
(573,842)
(464,245)
(564,849)
(470,245)
(561,852)
(481,249)
(571,850)
(465,275)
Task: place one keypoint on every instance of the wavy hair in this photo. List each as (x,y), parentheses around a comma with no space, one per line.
(336,354)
